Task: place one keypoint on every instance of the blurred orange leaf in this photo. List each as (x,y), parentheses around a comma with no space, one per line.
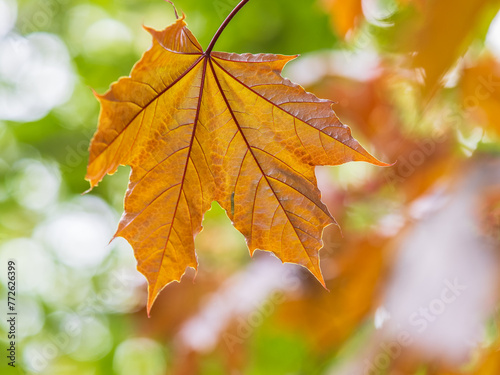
(441,35)
(360,265)
(199,126)
(491,364)
(345,14)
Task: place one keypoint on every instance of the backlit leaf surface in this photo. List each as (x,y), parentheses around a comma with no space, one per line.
(197,127)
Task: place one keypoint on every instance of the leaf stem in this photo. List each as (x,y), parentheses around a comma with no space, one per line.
(223,26)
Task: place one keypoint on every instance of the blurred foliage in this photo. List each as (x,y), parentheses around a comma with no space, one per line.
(417,79)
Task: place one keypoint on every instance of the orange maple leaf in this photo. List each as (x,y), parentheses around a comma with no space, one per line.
(201,126)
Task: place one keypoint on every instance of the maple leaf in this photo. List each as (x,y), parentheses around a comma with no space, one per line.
(197,126)
(443,23)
